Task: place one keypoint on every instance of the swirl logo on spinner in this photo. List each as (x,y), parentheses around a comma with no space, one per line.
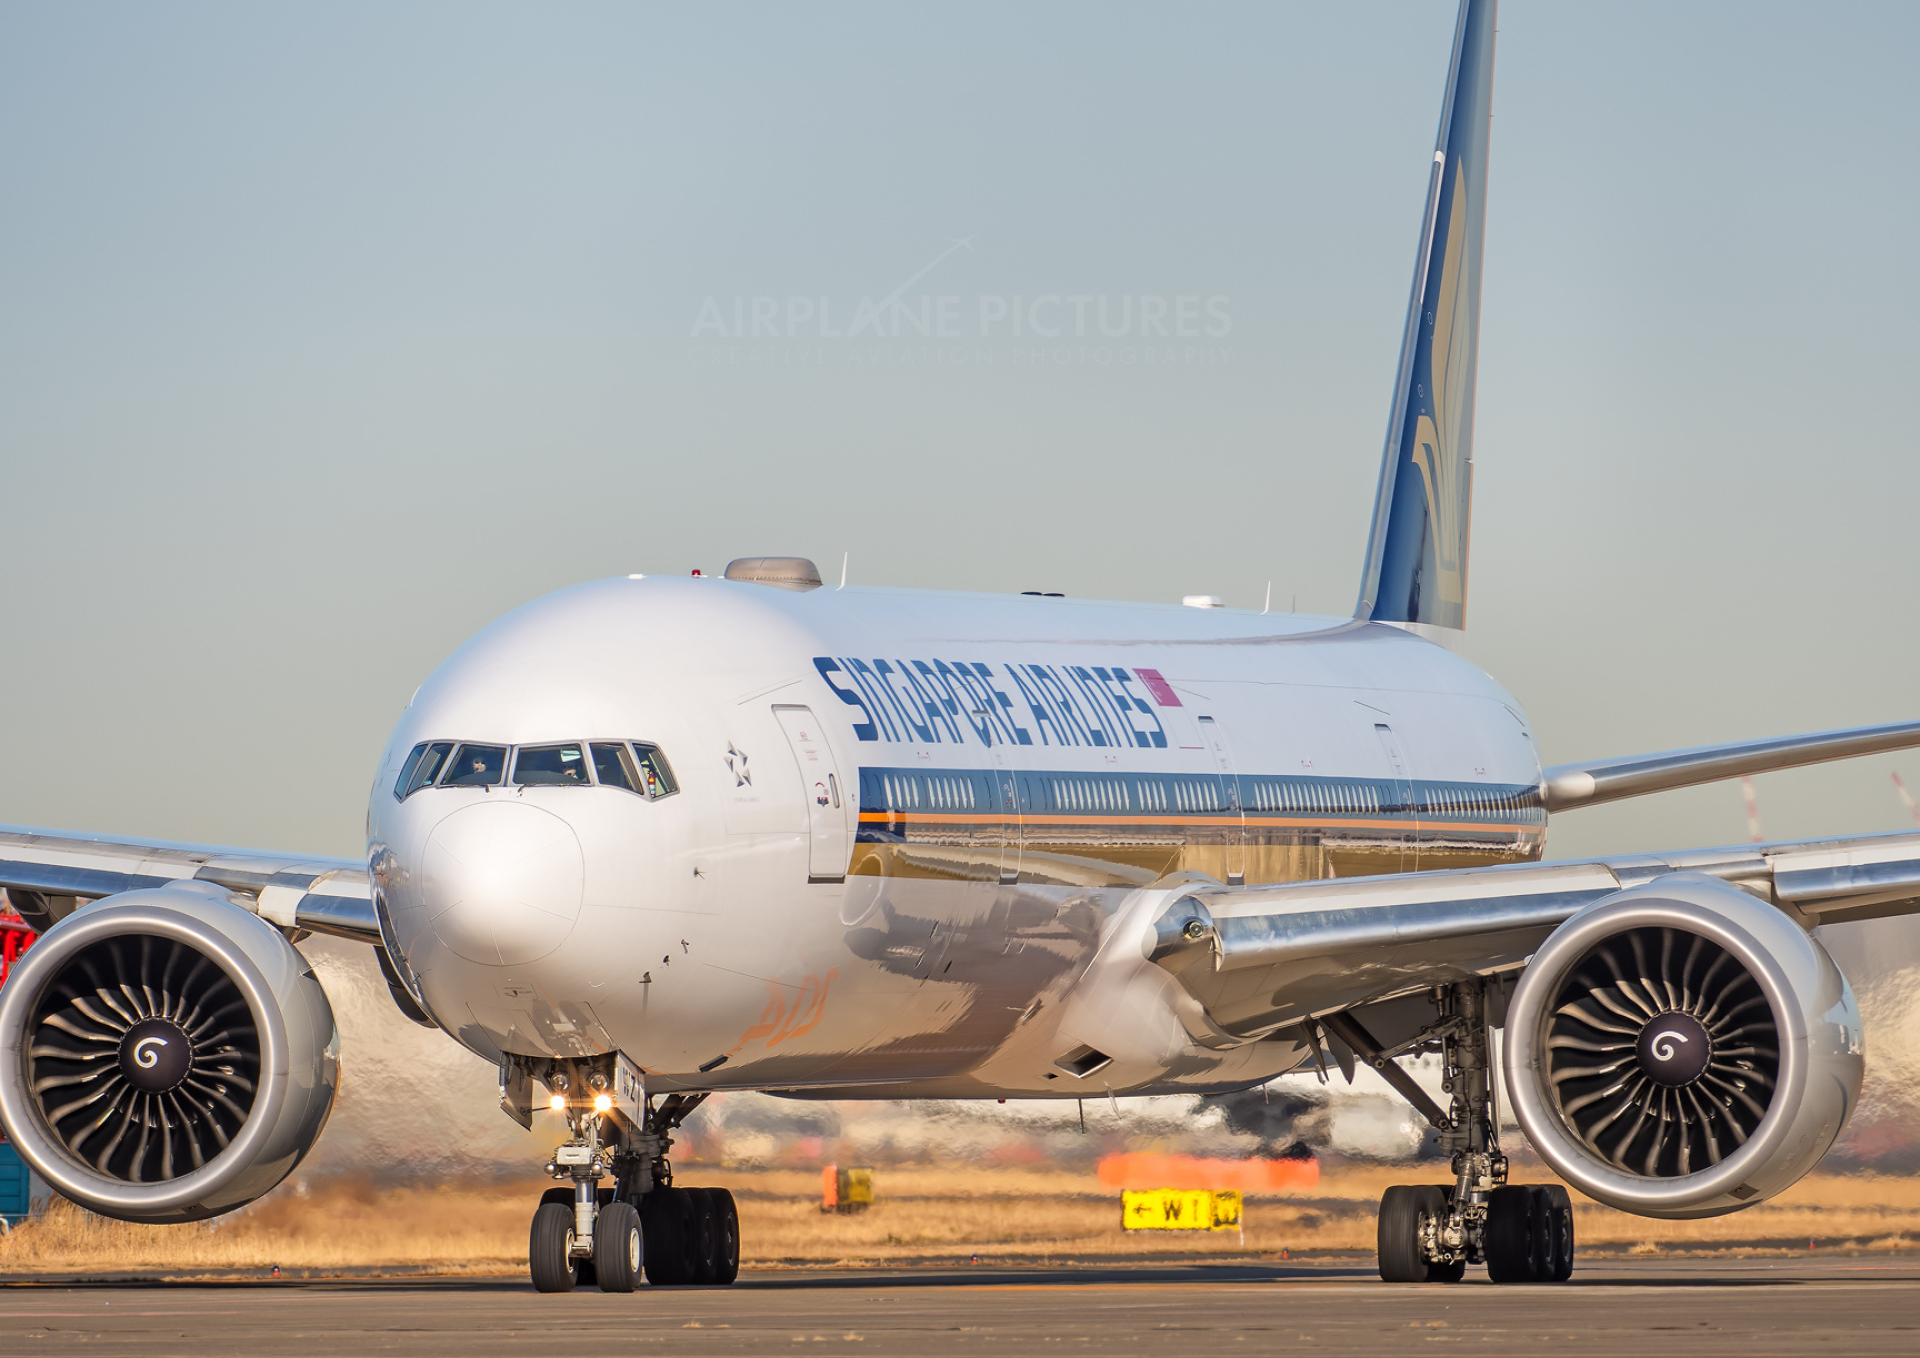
(1663,1044)
(143,1054)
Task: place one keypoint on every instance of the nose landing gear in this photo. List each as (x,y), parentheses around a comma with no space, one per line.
(583,1234)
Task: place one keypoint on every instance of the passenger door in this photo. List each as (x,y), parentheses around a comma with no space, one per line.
(827,797)
(1215,738)
(1006,805)
(1405,811)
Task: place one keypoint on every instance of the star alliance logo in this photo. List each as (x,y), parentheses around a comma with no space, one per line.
(737,766)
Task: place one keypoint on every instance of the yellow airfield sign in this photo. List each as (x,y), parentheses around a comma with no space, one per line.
(1180,1209)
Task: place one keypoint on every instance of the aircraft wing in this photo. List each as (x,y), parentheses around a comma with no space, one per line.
(1607,780)
(1261,958)
(47,872)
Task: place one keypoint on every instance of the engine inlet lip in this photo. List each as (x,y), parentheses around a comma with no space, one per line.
(1526,1055)
(156,915)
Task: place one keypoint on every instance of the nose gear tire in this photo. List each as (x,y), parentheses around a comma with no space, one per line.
(617,1248)
(550,1248)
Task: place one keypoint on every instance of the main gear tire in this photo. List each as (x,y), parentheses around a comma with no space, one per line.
(667,1229)
(703,1239)
(1404,1209)
(726,1237)
(1515,1239)
(1555,1207)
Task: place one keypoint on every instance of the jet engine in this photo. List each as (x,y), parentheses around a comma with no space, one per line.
(165,1055)
(1681,1049)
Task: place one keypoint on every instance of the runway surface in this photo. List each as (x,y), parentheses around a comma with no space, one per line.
(1787,1306)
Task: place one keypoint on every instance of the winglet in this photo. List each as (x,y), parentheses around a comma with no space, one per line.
(1416,568)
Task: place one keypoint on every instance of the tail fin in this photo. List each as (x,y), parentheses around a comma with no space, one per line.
(1417,551)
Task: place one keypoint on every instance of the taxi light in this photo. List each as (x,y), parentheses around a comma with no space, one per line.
(602,1103)
(558,1103)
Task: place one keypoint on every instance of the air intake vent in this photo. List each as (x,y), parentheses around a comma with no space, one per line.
(782,572)
(1083,1061)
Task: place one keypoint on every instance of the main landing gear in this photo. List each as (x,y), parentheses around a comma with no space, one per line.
(586,1235)
(1429,1233)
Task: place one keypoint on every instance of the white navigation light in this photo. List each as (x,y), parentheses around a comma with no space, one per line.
(1202,601)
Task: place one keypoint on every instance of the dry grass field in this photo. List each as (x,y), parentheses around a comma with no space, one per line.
(1031,1215)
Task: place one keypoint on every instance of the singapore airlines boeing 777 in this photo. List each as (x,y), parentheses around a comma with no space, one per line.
(654,837)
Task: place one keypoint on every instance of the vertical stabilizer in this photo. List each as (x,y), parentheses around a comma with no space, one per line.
(1416,568)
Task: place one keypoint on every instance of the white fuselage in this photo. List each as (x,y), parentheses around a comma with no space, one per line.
(914,834)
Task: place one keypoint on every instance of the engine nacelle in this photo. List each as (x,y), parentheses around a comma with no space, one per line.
(165,1055)
(1681,1049)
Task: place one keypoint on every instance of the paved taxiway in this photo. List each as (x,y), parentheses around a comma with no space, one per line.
(1787,1306)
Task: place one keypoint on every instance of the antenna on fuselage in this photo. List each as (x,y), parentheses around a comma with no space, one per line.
(843,568)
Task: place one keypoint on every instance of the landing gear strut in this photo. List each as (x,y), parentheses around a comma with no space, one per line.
(585,1234)
(1430,1233)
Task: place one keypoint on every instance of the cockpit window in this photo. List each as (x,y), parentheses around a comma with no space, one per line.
(551,766)
(476,766)
(655,776)
(613,766)
(636,767)
(420,768)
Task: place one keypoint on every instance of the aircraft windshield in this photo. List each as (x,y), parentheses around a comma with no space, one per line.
(613,766)
(632,766)
(655,776)
(422,766)
(476,766)
(551,766)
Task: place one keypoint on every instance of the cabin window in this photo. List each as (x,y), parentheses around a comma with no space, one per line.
(420,768)
(476,766)
(551,766)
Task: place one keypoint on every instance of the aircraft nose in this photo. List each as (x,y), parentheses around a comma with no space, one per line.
(503,882)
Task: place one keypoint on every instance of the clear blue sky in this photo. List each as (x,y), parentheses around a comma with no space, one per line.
(327,334)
